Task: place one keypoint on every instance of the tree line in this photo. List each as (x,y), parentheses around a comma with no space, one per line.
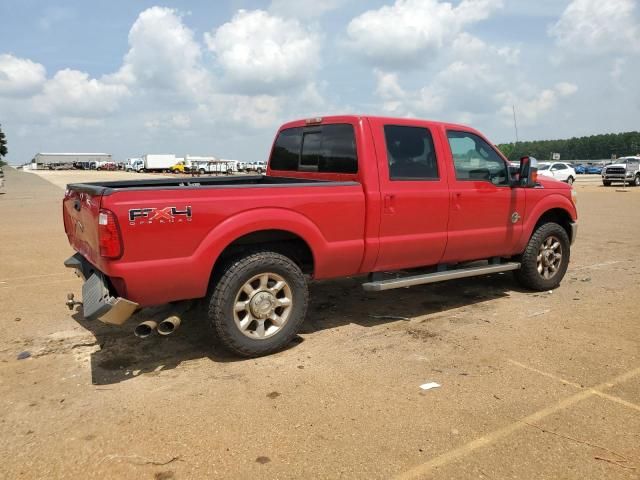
(593,147)
(3,146)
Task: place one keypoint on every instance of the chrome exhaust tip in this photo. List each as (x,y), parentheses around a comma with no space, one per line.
(144,329)
(169,325)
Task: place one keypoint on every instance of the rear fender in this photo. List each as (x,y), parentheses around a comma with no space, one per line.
(261,219)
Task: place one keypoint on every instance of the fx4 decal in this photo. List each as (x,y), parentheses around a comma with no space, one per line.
(142,216)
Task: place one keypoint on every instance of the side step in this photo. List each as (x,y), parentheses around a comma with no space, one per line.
(438,277)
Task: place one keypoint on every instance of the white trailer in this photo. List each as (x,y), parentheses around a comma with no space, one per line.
(158,163)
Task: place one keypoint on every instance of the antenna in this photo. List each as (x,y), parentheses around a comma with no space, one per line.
(515,123)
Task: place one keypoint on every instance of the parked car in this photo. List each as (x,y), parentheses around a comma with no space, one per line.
(580,169)
(258,167)
(558,170)
(625,170)
(594,169)
(355,206)
(106,166)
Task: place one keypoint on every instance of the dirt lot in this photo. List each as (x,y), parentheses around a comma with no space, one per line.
(533,385)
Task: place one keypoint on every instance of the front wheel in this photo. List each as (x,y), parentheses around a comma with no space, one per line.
(606,183)
(636,181)
(259,303)
(546,258)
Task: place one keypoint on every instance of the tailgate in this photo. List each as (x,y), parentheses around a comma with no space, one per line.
(80,212)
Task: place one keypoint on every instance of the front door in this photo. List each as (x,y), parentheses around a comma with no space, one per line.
(485,211)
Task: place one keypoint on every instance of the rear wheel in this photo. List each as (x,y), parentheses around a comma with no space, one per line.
(259,303)
(570,180)
(636,180)
(546,258)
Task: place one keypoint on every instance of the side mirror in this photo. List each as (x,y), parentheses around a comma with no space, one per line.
(528,176)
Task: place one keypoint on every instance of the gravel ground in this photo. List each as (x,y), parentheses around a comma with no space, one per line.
(533,385)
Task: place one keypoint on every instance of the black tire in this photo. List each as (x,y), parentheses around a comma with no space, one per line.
(570,180)
(201,171)
(636,181)
(606,183)
(529,275)
(229,289)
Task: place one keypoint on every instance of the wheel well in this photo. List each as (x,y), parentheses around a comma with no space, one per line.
(556,215)
(286,243)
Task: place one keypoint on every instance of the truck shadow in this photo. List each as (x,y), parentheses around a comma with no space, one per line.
(122,356)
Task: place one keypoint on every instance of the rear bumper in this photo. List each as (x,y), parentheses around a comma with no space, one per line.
(98,302)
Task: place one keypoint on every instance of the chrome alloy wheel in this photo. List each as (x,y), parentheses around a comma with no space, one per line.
(549,257)
(262,306)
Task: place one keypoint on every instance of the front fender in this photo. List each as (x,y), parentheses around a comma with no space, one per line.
(537,207)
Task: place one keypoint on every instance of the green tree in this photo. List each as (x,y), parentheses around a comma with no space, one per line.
(594,147)
(3,146)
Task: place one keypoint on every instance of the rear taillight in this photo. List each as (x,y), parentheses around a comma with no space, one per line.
(109,235)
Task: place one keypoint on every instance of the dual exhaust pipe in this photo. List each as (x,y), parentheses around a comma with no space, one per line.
(165,327)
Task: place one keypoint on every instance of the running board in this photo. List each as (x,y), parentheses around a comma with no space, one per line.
(438,277)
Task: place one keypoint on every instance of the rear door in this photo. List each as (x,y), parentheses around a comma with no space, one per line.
(485,212)
(415,194)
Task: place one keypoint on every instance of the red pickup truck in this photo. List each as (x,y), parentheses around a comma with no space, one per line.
(343,196)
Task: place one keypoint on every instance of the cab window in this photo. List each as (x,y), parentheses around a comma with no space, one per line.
(474,159)
(410,153)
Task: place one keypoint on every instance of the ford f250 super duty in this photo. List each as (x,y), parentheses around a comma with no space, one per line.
(343,196)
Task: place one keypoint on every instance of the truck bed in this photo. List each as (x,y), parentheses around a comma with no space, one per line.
(254,181)
(172,230)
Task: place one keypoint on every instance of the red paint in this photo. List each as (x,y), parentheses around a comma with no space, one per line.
(374,225)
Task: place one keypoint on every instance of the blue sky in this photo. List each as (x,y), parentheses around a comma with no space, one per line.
(219,77)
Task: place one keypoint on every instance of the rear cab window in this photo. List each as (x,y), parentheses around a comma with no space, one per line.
(411,154)
(320,148)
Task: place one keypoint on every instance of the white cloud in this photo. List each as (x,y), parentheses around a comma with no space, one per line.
(20,76)
(409,31)
(304,8)
(163,55)
(258,111)
(71,93)
(388,86)
(262,53)
(589,27)
(477,86)
(531,109)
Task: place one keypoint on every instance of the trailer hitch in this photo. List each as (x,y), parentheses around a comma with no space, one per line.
(71,303)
